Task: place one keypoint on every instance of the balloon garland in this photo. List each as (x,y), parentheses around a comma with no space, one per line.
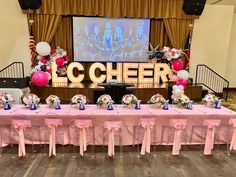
(41,73)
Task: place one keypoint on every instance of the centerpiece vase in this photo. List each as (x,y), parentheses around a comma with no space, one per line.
(33,106)
(7,105)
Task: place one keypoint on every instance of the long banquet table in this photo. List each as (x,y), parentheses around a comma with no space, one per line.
(128,116)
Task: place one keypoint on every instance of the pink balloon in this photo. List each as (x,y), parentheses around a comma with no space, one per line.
(182,82)
(40,78)
(60,61)
(177,65)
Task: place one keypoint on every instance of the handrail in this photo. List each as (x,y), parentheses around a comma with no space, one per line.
(213,71)
(212,80)
(13,70)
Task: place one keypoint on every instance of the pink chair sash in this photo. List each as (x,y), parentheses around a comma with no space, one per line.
(147,124)
(52,124)
(83,124)
(233,139)
(179,125)
(210,136)
(20,126)
(112,126)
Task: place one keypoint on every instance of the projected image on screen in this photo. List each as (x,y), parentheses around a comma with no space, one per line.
(110,39)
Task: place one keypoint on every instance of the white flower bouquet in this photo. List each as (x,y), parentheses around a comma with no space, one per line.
(129,99)
(78,98)
(182,100)
(5,97)
(210,99)
(53,100)
(31,98)
(157,100)
(171,53)
(103,100)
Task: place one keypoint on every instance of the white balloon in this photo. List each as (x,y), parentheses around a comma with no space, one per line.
(181,87)
(175,87)
(183,74)
(39,57)
(177,92)
(43,48)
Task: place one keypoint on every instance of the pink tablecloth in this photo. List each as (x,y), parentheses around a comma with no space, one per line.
(129,118)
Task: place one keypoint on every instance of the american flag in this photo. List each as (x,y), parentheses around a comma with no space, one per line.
(32,46)
(187,50)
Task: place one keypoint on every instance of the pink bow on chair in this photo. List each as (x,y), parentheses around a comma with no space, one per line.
(233,140)
(179,125)
(83,124)
(20,126)
(210,136)
(52,124)
(112,126)
(147,124)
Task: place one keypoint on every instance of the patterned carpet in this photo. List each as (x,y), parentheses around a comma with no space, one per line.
(231,103)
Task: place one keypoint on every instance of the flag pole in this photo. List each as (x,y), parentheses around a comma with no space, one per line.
(188,43)
(32,45)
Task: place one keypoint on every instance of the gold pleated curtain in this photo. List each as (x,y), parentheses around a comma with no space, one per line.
(63,36)
(45,26)
(177,31)
(115,8)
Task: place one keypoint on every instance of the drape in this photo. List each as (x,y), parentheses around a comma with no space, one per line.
(63,36)
(115,8)
(177,31)
(45,26)
(158,34)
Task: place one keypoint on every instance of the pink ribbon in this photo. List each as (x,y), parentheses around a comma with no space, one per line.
(233,139)
(20,126)
(52,124)
(147,124)
(83,124)
(179,125)
(210,136)
(112,126)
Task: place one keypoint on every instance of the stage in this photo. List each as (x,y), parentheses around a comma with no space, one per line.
(92,91)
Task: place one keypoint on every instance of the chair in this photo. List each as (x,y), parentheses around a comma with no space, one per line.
(21,126)
(232,132)
(0,142)
(53,126)
(111,130)
(176,130)
(209,133)
(145,131)
(83,128)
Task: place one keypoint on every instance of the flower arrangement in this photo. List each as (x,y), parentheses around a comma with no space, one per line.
(52,100)
(5,97)
(171,54)
(31,98)
(103,100)
(210,99)
(164,55)
(157,99)
(77,99)
(182,100)
(129,99)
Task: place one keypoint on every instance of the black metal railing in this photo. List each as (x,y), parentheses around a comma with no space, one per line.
(212,81)
(14,70)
